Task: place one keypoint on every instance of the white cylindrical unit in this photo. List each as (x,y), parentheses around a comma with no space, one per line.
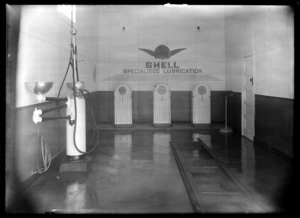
(161,105)
(123,105)
(201,105)
(80,135)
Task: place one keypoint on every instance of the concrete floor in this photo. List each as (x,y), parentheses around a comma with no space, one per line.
(134,171)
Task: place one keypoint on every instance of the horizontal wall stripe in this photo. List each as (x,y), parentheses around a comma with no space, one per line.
(275,97)
(142,106)
(33,106)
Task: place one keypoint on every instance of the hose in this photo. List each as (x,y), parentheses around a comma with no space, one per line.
(93,118)
(70,59)
(75,123)
(65,74)
(46,156)
(74,65)
(92,115)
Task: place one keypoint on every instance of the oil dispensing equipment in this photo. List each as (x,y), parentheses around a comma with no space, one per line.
(76,159)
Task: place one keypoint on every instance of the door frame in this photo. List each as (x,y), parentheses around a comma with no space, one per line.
(253,82)
(244,95)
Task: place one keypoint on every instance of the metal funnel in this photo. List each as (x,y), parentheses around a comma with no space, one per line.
(40,87)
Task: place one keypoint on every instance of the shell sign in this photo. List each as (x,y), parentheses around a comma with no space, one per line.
(162,52)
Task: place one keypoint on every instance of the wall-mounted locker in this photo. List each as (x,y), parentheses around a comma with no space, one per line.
(201,110)
(123,105)
(161,105)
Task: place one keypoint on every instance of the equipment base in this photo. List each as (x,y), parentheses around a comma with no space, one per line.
(226,130)
(74,165)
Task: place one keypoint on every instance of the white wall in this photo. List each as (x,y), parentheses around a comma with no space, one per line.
(225,37)
(44,51)
(151,26)
(104,50)
(87,45)
(267,34)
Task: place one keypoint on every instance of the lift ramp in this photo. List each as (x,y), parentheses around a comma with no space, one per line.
(210,186)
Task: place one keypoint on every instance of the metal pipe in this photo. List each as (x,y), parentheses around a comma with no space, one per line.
(74,32)
(56,99)
(54,108)
(56,118)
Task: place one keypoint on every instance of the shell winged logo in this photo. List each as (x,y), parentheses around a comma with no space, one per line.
(162,52)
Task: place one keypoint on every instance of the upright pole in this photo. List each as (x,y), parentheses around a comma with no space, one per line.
(226,111)
(226,129)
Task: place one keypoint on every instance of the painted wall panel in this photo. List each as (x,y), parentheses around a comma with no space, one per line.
(104,111)
(247,33)
(273,52)
(278,76)
(290,27)
(88,72)
(102,74)
(91,104)
(152,29)
(261,31)
(26,149)
(274,123)
(26,145)
(234,70)
(44,23)
(262,61)
(278,26)
(234,112)
(26,71)
(290,68)
(142,102)
(217,106)
(113,73)
(233,37)
(12,33)
(87,35)
(148,27)
(44,51)
(181,106)
(103,28)
(123,44)
(102,104)
(275,72)
(135,106)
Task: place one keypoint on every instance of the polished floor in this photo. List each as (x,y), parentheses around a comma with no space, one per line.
(135,171)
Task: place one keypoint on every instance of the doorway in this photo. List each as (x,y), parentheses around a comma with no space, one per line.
(248,102)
